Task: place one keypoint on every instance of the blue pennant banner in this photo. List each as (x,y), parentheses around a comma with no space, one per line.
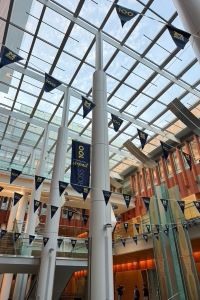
(31,238)
(165,149)
(107,195)
(164,203)
(36,205)
(123,241)
(197,205)
(146,201)
(45,241)
(50,83)
(53,210)
(73,242)
(188,159)
(127,199)
(117,122)
(148,226)
(2,233)
(86,191)
(125,14)
(80,166)
(14,174)
(38,181)
(87,106)
(137,227)
(62,186)
(143,137)
(182,205)
(16,198)
(59,242)
(126,226)
(145,237)
(70,214)
(85,219)
(8,57)
(16,236)
(179,36)
(135,239)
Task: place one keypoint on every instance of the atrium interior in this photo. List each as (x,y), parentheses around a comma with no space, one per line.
(100,149)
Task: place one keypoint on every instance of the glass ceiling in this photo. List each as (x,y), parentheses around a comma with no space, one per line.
(58,38)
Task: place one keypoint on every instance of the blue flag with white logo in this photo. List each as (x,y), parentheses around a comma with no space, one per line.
(80,166)
(125,14)
(87,106)
(179,36)
(117,122)
(8,56)
(143,137)
(50,83)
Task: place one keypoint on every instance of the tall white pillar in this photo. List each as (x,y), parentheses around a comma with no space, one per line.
(189,12)
(21,279)
(48,256)
(36,194)
(8,277)
(101,278)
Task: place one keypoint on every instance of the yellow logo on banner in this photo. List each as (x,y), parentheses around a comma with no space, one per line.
(178,36)
(10,55)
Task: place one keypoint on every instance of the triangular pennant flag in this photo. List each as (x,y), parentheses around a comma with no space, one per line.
(16,236)
(36,205)
(38,181)
(86,243)
(157,227)
(148,226)
(113,243)
(197,205)
(62,186)
(87,106)
(143,137)
(182,205)
(146,201)
(73,242)
(107,195)
(86,191)
(166,230)
(85,219)
(16,198)
(125,14)
(31,238)
(156,235)
(117,122)
(188,159)
(165,149)
(165,203)
(1,188)
(50,83)
(2,233)
(127,199)
(137,227)
(8,56)
(123,242)
(45,241)
(174,226)
(14,174)
(185,225)
(145,237)
(70,214)
(135,239)
(53,210)
(126,226)
(59,242)
(179,36)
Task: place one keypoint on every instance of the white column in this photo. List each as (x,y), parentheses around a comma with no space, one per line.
(189,11)
(36,194)
(48,256)
(7,278)
(21,279)
(101,281)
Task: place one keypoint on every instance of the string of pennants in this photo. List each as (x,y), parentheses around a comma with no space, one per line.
(31,238)
(179,36)
(155,230)
(62,186)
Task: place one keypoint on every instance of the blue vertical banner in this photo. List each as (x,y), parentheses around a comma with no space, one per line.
(80,166)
